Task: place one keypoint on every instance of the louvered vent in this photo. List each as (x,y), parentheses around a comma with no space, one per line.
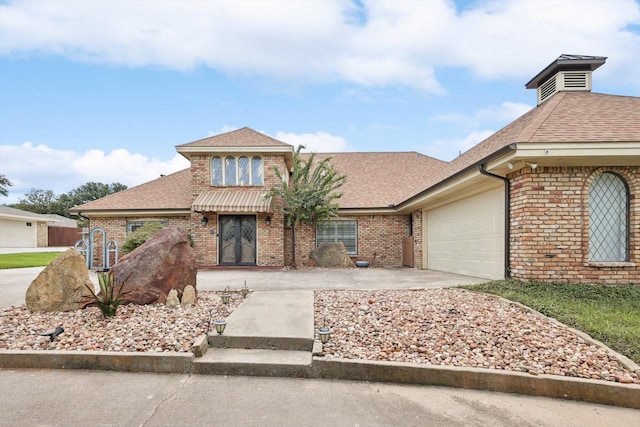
(547,90)
(564,81)
(575,81)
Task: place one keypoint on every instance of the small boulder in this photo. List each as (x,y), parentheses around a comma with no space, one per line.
(332,255)
(164,262)
(188,296)
(172,299)
(62,285)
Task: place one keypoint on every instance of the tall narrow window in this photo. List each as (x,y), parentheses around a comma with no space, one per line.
(216,171)
(339,231)
(230,171)
(256,171)
(608,219)
(243,171)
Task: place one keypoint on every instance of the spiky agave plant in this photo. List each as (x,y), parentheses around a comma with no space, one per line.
(105,300)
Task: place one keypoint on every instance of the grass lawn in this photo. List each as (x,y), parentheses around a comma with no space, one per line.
(27,259)
(610,314)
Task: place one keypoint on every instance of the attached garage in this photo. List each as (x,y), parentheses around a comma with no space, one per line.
(467,236)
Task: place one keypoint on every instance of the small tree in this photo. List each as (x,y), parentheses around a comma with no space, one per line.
(311,195)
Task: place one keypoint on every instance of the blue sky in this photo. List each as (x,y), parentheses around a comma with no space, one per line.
(104,90)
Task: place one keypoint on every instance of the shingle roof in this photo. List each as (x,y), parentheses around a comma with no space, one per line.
(167,192)
(580,117)
(13,213)
(244,137)
(377,180)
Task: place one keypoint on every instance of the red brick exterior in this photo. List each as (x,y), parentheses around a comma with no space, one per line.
(550,226)
(418,239)
(379,240)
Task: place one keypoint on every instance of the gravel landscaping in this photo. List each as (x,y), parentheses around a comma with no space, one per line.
(437,326)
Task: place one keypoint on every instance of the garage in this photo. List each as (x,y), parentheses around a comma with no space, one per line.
(18,234)
(467,236)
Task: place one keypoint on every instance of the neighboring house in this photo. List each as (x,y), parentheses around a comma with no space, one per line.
(554,195)
(22,229)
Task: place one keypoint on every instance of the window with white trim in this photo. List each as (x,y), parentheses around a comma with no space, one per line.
(345,231)
(237,171)
(608,219)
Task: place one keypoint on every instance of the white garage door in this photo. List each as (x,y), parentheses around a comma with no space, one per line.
(17,234)
(467,237)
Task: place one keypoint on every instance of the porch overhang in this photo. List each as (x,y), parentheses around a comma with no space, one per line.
(232,201)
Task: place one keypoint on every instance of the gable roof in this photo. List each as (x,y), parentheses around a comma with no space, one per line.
(168,193)
(241,138)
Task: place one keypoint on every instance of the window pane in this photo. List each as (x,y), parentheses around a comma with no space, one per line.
(216,171)
(256,171)
(608,208)
(243,171)
(230,171)
(338,231)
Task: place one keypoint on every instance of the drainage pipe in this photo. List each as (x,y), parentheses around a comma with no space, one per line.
(507,218)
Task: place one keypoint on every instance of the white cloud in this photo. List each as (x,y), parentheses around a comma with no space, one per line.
(37,166)
(379,43)
(319,142)
(450,148)
(501,114)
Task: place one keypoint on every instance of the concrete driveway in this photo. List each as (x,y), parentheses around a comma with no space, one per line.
(14,282)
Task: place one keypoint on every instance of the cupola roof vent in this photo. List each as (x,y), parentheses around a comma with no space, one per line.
(567,73)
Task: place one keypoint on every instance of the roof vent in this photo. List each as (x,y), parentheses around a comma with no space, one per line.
(567,73)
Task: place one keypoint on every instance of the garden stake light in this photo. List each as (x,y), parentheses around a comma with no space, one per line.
(226,296)
(245,290)
(220,324)
(324,333)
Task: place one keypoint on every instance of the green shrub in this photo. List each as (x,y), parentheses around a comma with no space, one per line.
(141,235)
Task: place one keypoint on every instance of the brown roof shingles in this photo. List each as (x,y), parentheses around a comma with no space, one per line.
(169,192)
(243,137)
(378,180)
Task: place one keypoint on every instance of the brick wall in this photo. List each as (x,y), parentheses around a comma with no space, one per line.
(418,239)
(379,240)
(116,229)
(550,226)
(270,247)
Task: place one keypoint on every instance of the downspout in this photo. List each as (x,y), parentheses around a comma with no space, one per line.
(507,218)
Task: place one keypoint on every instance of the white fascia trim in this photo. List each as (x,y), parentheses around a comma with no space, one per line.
(26,218)
(581,149)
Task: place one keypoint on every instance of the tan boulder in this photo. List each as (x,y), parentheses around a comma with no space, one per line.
(189,296)
(61,285)
(172,299)
(331,255)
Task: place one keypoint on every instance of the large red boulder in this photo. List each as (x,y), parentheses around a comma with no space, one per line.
(164,262)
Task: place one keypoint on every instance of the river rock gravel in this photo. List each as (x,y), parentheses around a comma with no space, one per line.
(436,326)
(155,327)
(457,328)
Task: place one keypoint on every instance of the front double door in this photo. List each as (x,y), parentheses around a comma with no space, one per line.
(237,240)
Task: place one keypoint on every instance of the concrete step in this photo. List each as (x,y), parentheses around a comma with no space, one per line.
(253,362)
(276,320)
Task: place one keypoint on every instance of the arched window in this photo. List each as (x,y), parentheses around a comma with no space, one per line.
(216,171)
(256,171)
(243,171)
(230,171)
(608,219)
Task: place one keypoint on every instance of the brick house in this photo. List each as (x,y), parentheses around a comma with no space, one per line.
(551,196)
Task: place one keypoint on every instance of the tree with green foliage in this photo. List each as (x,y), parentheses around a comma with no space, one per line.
(4,185)
(47,202)
(141,235)
(310,196)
